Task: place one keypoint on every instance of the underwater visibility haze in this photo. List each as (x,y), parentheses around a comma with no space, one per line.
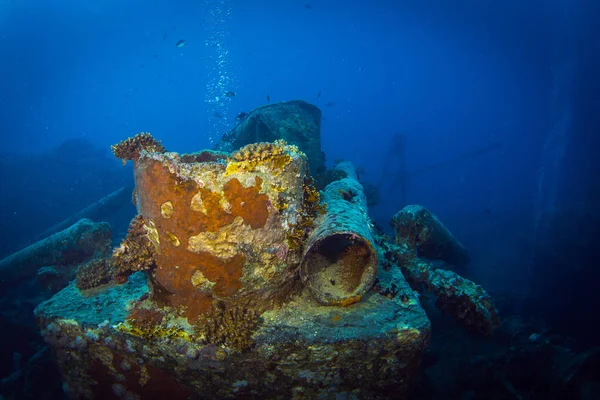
(299,199)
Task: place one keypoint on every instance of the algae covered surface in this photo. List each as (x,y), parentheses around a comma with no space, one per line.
(109,303)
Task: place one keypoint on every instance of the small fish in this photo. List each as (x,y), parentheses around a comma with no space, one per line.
(181,43)
(217,115)
(229,94)
(319,94)
(268,99)
(165,35)
(307,6)
(241,116)
(329,104)
(534,337)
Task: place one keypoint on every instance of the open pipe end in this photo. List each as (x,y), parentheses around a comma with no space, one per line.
(339,268)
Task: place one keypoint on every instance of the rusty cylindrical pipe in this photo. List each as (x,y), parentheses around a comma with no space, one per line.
(340,261)
(79,242)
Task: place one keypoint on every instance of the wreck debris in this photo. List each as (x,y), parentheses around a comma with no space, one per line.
(78,243)
(218,307)
(238,278)
(465,300)
(421,230)
(420,234)
(340,261)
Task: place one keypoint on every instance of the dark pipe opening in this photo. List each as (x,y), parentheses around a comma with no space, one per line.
(336,267)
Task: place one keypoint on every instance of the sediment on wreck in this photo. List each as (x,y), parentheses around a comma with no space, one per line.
(340,261)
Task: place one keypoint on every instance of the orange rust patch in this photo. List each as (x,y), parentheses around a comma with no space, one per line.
(177,279)
(350,300)
(155,186)
(248,203)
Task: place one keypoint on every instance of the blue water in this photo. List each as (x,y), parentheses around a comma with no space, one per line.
(498,104)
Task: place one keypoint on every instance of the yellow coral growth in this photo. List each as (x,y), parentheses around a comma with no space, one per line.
(312,197)
(157,332)
(296,238)
(149,323)
(130,148)
(271,155)
(258,151)
(311,208)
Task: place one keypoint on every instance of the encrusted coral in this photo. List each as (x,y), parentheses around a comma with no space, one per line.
(230,326)
(93,273)
(146,323)
(457,296)
(311,208)
(149,323)
(136,252)
(272,156)
(130,148)
(258,151)
(312,197)
(465,300)
(145,318)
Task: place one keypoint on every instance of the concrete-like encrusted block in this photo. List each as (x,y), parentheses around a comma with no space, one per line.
(370,349)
